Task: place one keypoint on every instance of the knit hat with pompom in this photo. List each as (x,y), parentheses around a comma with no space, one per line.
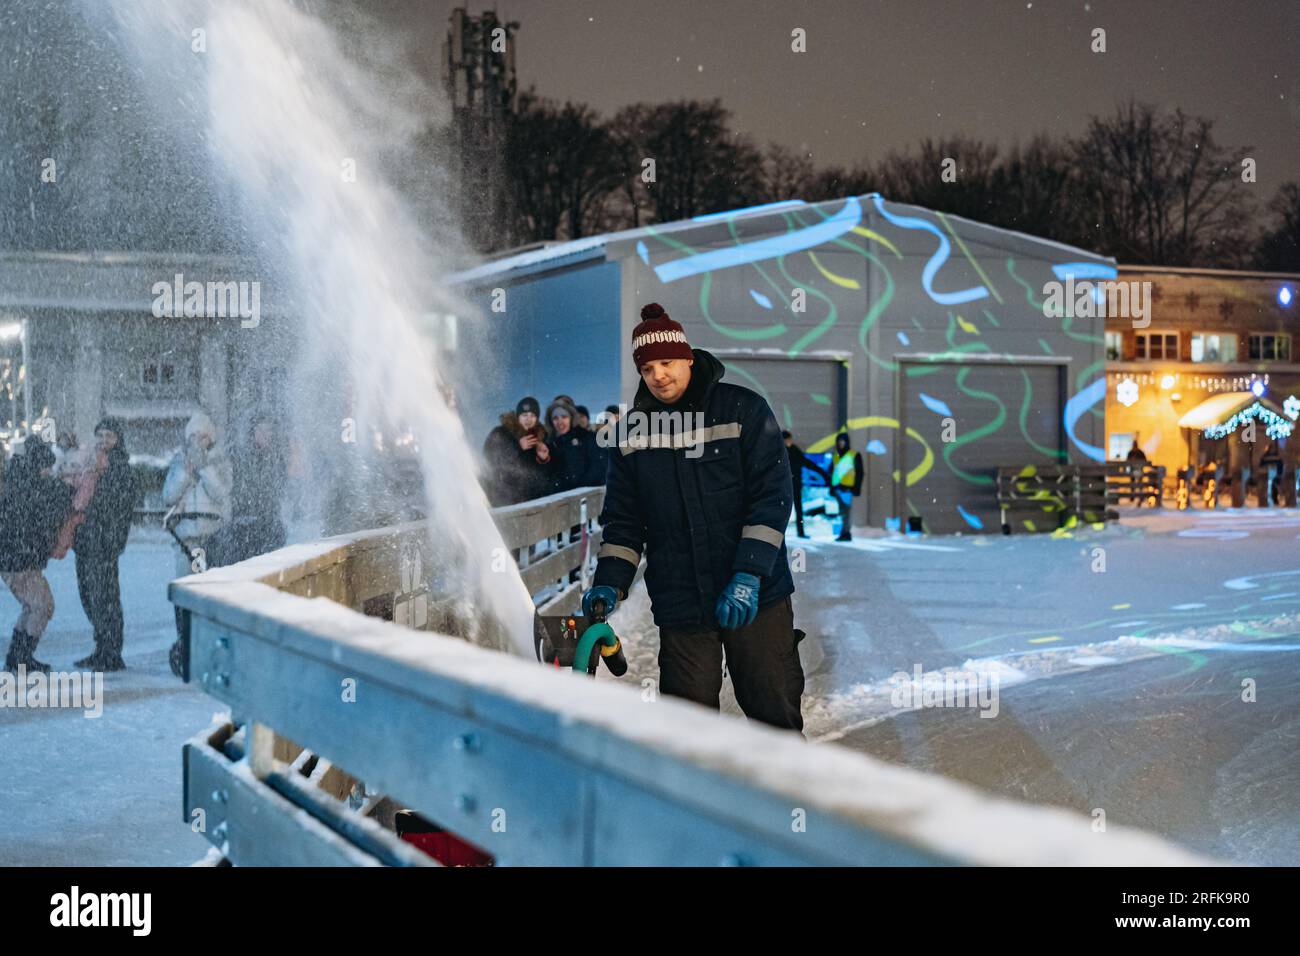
(658,337)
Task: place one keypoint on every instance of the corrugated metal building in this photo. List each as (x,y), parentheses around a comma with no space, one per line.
(924,334)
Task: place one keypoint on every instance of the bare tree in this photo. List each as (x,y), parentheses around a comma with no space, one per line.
(1279,248)
(561,163)
(954,175)
(787,174)
(701,166)
(1159,189)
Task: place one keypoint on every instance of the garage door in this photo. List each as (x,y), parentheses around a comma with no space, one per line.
(1002,415)
(806,395)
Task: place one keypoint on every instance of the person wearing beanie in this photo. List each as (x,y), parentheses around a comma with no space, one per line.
(580,461)
(706,501)
(100,540)
(33,506)
(517,463)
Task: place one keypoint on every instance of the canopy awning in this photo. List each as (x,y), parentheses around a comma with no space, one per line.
(1220,415)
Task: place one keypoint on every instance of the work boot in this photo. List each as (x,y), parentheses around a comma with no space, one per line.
(21,648)
(102,660)
(17,653)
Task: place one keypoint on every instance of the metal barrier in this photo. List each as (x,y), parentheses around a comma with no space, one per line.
(339,719)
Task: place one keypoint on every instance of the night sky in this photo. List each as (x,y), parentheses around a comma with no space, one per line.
(882,75)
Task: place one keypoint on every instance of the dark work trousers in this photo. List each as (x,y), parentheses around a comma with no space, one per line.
(845,498)
(796,488)
(763,660)
(101,599)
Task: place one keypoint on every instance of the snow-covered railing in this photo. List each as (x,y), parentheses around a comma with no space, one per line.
(533,764)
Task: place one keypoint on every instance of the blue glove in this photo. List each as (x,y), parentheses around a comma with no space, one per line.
(738,602)
(601,592)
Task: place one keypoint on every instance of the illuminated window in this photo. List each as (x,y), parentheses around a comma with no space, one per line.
(1207,347)
(1114,346)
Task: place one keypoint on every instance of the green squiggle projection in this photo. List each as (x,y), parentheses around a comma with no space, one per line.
(748,335)
(825,325)
(770,331)
(1056,453)
(918,371)
(987,429)
(779,293)
(969,258)
(734,370)
(1029,292)
(1066,321)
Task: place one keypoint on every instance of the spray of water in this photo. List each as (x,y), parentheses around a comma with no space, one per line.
(301,120)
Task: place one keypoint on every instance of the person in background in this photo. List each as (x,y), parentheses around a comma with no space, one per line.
(1270,468)
(1136,458)
(846,482)
(584,417)
(33,506)
(99,543)
(579,460)
(517,458)
(798,462)
(260,469)
(198,481)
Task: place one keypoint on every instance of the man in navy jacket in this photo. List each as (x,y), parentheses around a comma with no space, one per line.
(700,484)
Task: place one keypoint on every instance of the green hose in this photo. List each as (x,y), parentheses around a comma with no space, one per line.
(600,632)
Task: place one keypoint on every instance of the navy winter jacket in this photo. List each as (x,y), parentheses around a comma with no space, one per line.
(699,520)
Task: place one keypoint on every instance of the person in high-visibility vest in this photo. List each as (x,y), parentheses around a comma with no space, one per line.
(846,482)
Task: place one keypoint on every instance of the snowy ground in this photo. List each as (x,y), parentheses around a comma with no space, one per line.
(103,791)
(1119,688)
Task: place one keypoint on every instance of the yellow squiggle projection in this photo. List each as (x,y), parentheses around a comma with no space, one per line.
(827,442)
(878,238)
(842,281)
(968,327)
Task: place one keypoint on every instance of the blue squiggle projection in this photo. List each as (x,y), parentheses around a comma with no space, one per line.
(761,299)
(749,210)
(1086,270)
(902,337)
(642,251)
(936,405)
(936,261)
(876,447)
(972,520)
(809,237)
(1079,403)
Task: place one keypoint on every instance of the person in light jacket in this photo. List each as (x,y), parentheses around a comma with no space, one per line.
(198,480)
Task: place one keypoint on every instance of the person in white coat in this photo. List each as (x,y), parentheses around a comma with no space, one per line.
(198,480)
